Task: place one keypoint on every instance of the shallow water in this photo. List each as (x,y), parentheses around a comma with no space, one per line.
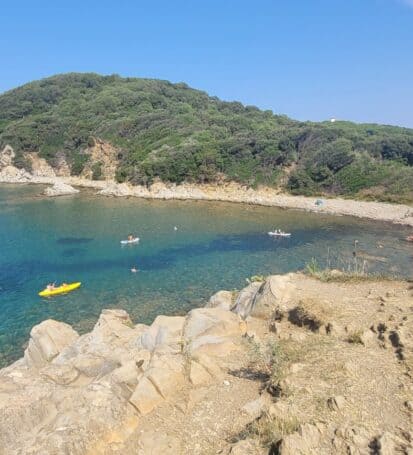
(217,246)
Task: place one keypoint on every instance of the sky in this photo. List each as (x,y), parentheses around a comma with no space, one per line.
(308,59)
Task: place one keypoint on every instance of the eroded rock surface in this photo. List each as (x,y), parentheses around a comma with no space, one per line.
(296,366)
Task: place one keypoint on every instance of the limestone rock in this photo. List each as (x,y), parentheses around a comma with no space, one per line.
(210,321)
(245,302)
(145,398)
(165,334)
(60,374)
(6,156)
(222,299)
(274,296)
(166,374)
(114,327)
(94,366)
(40,167)
(47,340)
(10,174)
(115,189)
(127,376)
(305,441)
(198,375)
(60,189)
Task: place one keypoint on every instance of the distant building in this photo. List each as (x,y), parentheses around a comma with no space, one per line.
(332,120)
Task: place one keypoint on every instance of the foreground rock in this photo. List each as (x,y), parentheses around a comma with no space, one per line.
(285,369)
(60,189)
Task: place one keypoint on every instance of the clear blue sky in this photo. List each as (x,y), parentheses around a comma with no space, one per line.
(309,59)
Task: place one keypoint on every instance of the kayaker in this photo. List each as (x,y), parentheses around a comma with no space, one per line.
(50,287)
(130,237)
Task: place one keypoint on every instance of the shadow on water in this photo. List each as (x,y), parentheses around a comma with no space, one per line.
(71,252)
(73,240)
(163,259)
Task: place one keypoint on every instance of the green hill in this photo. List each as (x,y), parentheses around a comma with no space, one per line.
(180,134)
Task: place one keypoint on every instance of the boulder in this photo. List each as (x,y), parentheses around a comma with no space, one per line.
(210,321)
(114,328)
(274,295)
(246,299)
(165,334)
(222,300)
(60,189)
(211,331)
(305,441)
(47,340)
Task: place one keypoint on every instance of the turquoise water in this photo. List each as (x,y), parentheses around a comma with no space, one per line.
(217,246)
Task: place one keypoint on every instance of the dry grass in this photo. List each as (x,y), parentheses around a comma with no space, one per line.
(269,430)
(351,271)
(355,337)
(310,313)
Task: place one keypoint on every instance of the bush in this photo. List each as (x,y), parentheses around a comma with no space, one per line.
(172,132)
(22,161)
(78,163)
(97,171)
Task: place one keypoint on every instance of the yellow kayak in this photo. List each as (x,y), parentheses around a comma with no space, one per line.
(59,290)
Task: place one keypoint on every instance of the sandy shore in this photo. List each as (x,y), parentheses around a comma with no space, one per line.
(380,211)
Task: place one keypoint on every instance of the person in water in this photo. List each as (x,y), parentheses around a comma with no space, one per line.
(130,237)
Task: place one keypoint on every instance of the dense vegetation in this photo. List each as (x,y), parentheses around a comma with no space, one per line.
(176,133)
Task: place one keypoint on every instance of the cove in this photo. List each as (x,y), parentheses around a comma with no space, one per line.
(216,246)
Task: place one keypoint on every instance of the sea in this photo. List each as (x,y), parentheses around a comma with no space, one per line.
(215,246)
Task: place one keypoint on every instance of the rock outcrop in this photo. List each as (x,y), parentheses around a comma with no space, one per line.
(6,156)
(60,189)
(73,390)
(260,377)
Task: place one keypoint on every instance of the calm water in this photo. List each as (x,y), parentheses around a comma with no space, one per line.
(217,246)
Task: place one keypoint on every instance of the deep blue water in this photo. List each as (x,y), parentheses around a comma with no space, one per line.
(217,246)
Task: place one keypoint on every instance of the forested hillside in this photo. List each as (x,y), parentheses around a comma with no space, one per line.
(180,134)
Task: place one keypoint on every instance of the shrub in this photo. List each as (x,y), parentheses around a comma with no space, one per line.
(97,171)
(78,163)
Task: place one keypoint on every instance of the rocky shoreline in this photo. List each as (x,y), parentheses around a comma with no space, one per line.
(289,365)
(229,192)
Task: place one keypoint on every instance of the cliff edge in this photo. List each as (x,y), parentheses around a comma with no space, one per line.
(289,365)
